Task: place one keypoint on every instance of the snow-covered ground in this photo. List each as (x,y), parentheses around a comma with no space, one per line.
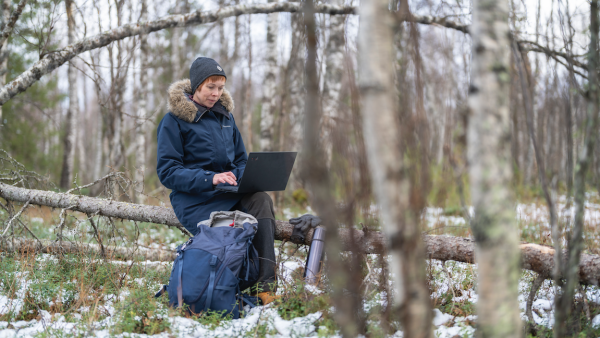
(453,291)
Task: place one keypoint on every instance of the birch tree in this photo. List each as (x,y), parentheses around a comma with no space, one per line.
(296,84)
(70,135)
(4,15)
(494,224)
(576,245)
(388,167)
(141,114)
(267,113)
(175,45)
(334,69)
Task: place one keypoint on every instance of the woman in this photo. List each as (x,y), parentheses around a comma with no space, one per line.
(199,146)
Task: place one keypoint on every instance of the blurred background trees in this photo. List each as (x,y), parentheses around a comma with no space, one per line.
(98,112)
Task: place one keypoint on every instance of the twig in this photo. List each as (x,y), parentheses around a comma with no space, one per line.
(16,216)
(102,251)
(91,184)
(450,286)
(535,286)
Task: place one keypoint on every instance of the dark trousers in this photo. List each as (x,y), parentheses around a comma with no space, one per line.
(260,206)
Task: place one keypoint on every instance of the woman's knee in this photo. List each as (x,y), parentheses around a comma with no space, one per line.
(259,205)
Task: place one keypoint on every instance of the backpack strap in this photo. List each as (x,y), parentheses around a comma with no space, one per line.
(179,287)
(211,284)
(162,290)
(248,243)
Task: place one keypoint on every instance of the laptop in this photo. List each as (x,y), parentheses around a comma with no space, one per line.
(265,171)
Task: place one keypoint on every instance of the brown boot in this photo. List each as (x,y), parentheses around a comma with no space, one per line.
(268,297)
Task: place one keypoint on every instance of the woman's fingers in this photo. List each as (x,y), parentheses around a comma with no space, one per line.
(224,178)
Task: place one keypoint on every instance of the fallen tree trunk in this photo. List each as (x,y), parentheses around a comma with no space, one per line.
(534,257)
(26,245)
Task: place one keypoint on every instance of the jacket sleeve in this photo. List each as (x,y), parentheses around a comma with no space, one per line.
(241,157)
(169,164)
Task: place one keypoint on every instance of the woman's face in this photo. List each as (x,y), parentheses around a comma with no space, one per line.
(209,93)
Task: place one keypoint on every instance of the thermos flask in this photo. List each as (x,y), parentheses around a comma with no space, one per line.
(315,256)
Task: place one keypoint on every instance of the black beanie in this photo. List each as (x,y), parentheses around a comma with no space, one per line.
(202,68)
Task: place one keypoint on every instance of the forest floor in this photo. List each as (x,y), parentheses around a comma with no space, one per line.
(78,296)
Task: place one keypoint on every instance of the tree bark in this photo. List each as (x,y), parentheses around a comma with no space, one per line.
(26,245)
(175,45)
(267,114)
(4,16)
(140,158)
(534,257)
(70,135)
(334,70)
(388,166)
(296,84)
(575,246)
(494,224)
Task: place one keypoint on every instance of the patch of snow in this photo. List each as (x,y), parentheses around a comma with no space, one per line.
(440,318)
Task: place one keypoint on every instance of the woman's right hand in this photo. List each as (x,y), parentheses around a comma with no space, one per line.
(227,177)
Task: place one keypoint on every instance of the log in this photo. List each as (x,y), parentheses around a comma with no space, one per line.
(26,245)
(534,257)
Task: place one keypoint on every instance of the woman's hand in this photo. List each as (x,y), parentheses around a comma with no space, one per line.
(227,177)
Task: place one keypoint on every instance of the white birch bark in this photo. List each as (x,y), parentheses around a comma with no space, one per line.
(248,99)
(4,16)
(175,47)
(334,70)
(494,224)
(391,185)
(142,114)
(73,111)
(296,84)
(267,113)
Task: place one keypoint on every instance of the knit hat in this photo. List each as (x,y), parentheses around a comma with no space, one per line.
(202,68)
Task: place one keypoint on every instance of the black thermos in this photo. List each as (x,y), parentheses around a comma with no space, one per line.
(315,256)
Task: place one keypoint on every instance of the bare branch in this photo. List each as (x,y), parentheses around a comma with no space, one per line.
(55,59)
(15,217)
(7,31)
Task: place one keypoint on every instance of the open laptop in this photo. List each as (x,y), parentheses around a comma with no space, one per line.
(265,171)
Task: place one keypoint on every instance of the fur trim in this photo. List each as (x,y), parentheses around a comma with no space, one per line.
(183,108)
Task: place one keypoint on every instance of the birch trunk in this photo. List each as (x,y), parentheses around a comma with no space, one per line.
(70,135)
(296,84)
(175,46)
(391,185)
(494,224)
(25,245)
(332,88)
(4,16)
(342,274)
(247,133)
(267,113)
(142,104)
(575,246)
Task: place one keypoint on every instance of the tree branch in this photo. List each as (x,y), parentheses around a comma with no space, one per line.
(7,31)
(55,59)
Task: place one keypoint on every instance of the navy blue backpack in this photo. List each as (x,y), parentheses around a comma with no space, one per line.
(211,266)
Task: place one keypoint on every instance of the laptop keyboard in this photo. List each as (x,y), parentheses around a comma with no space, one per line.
(229,188)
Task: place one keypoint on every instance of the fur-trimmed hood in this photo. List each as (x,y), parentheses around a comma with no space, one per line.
(181,106)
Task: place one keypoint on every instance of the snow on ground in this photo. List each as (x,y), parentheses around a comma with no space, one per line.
(457,276)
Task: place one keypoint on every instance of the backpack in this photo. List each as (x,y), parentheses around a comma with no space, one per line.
(210,266)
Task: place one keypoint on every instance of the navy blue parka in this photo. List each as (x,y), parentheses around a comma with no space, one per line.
(194,144)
